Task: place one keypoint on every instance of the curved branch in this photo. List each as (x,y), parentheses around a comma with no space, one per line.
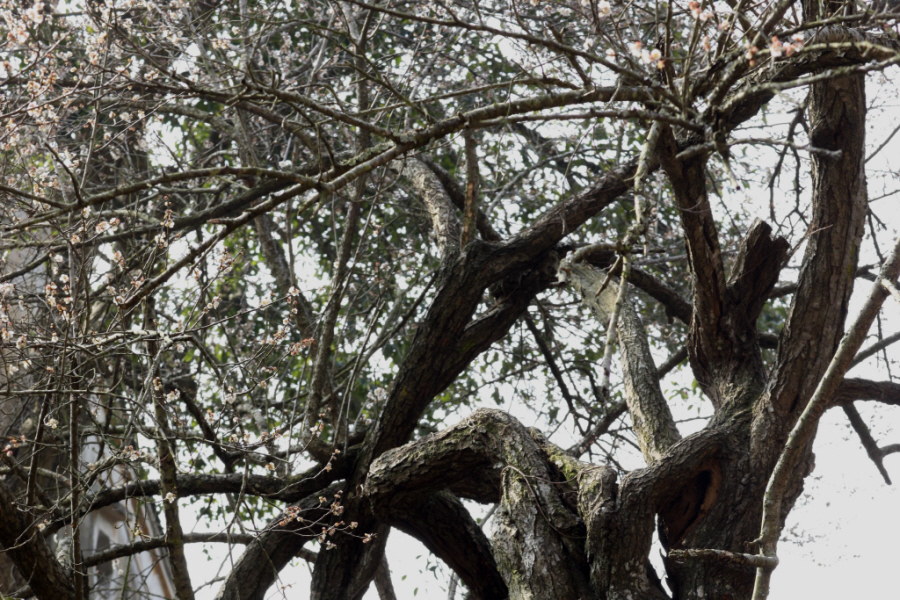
(816,321)
(445,527)
(532,514)
(850,390)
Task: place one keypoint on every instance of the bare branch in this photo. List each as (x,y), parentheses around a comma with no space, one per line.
(750,560)
(650,415)
(383,581)
(688,180)
(166,455)
(850,390)
(802,433)
(551,363)
(445,527)
(874,349)
(473,179)
(611,416)
(868,442)
(259,565)
(321,378)
(458,196)
(143,545)
(433,195)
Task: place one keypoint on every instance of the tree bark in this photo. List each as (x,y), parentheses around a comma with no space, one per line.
(21,540)
(650,415)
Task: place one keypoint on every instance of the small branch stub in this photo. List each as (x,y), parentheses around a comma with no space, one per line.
(750,560)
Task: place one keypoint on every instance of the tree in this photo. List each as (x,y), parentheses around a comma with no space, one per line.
(262,256)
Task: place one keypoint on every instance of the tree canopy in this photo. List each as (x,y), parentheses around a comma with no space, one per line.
(298,267)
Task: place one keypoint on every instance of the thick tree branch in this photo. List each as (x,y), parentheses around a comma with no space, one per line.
(754,275)
(673,361)
(744,560)
(447,340)
(688,179)
(443,219)
(650,415)
(289,489)
(555,224)
(25,545)
(513,296)
(819,309)
(850,390)
(383,584)
(442,523)
(457,195)
(604,257)
(530,503)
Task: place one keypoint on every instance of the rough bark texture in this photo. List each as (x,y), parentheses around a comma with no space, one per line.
(837,120)
(535,532)
(650,415)
(565,528)
(25,545)
(440,209)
